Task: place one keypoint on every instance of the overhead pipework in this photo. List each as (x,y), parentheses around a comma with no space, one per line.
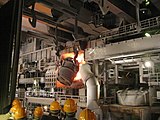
(93,89)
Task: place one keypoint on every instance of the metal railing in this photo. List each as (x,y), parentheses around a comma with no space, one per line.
(39,54)
(154,79)
(58,95)
(132,28)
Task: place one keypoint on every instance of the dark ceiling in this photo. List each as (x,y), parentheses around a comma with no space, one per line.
(87,19)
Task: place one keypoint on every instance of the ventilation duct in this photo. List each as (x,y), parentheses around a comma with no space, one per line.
(93,89)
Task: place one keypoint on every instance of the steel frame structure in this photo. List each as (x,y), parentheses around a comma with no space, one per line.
(132,47)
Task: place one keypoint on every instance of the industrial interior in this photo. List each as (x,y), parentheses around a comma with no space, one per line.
(103,54)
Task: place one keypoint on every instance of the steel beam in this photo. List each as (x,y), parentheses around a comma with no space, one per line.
(47,19)
(121,49)
(122,9)
(50,23)
(40,100)
(59,6)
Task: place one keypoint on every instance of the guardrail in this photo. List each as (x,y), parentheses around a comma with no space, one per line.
(40,54)
(132,28)
(154,79)
(58,95)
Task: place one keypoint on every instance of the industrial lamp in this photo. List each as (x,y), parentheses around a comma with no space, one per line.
(148,64)
(147,2)
(45,108)
(147,35)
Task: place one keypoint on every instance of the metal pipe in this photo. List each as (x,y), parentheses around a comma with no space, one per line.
(138,17)
(116,74)
(105,80)
(93,89)
(76,27)
(91,83)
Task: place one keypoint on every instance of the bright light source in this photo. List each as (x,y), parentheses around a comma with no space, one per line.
(35,82)
(143,66)
(147,35)
(42,80)
(147,2)
(52,89)
(45,108)
(148,64)
(80,60)
(91,51)
(78,76)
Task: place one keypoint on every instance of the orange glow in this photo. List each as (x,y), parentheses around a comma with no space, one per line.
(60,85)
(42,8)
(78,76)
(65,55)
(80,60)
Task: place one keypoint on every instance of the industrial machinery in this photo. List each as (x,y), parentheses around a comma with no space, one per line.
(104,54)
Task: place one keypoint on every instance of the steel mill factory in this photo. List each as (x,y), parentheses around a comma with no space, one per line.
(79,59)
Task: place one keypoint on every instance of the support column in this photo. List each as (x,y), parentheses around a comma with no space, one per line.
(137,16)
(105,84)
(10,29)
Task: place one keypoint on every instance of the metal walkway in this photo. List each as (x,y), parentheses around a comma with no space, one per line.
(132,28)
